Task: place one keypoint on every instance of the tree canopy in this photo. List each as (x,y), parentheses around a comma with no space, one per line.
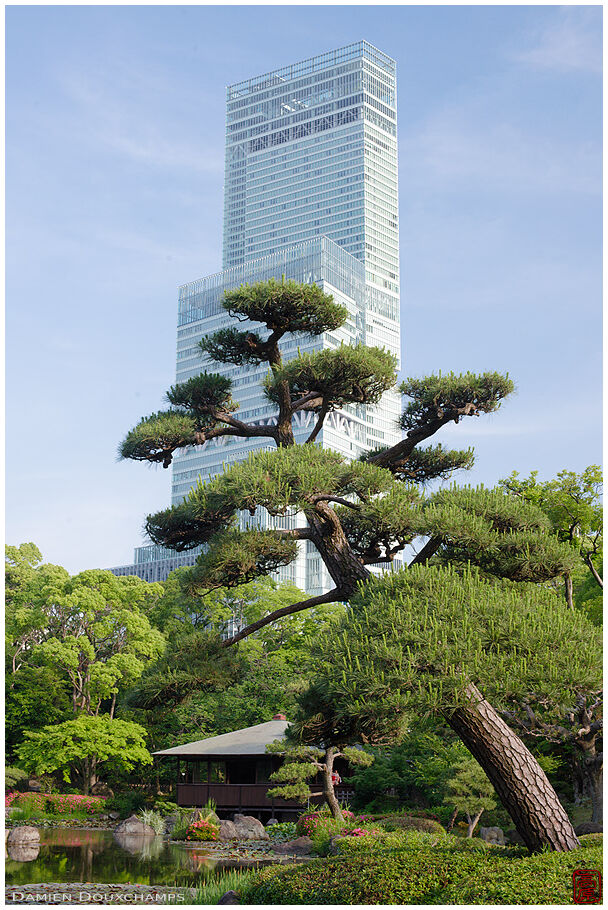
(84,745)
(357,514)
(573,506)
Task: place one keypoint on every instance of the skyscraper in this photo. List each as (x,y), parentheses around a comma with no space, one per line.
(311,193)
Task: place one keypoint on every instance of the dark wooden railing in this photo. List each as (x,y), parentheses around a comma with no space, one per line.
(241,796)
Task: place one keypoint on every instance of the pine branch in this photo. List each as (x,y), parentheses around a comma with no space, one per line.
(331,597)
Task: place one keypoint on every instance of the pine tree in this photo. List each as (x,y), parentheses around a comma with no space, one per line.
(358,513)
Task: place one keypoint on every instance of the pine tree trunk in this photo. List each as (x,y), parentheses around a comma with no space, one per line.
(518,779)
(472,822)
(334,549)
(328,786)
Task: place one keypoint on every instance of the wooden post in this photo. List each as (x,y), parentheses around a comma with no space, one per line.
(177,784)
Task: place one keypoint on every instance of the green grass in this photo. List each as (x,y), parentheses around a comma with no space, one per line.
(210,891)
(427,869)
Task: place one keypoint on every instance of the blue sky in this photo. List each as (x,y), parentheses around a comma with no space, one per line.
(114,151)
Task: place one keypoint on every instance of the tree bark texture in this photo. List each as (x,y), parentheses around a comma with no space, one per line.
(334,549)
(328,786)
(518,779)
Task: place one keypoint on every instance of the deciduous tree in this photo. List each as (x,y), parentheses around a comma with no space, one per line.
(85,745)
(572,502)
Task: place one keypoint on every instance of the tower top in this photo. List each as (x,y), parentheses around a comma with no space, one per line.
(312,65)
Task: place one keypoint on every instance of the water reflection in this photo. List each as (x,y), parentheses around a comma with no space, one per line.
(148,847)
(98,856)
(23,853)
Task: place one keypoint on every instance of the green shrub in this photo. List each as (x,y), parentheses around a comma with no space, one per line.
(12,777)
(427,875)
(384,841)
(311,822)
(23,815)
(203,829)
(282,831)
(165,807)
(401,822)
(185,817)
(127,803)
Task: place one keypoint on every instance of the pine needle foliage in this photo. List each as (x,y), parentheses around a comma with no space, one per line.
(434,463)
(344,375)
(204,395)
(158,434)
(237,557)
(286,306)
(384,525)
(505,537)
(413,641)
(453,396)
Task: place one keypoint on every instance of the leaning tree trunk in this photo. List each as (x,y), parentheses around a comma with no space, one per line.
(472,822)
(518,779)
(334,549)
(328,786)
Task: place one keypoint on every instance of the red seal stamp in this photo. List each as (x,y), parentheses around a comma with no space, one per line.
(587,886)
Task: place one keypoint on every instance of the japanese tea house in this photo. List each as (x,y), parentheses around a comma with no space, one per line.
(234,770)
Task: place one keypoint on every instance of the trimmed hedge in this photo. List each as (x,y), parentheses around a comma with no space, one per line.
(428,875)
(396,822)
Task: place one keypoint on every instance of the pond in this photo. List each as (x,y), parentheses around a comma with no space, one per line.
(80,855)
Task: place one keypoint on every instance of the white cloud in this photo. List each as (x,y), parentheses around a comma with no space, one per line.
(573,41)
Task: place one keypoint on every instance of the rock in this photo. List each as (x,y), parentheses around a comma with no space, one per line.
(250,828)
(492,835)
(101,789)
(228,830)
(34,786)
(134,825)
(301,846)
(334,845)
(230,897)
(114,815)
(24,834)
(589,828)
(23,853)
(514,837)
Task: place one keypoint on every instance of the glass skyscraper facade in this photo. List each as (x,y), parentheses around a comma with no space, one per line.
(311,150)
(311,192)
